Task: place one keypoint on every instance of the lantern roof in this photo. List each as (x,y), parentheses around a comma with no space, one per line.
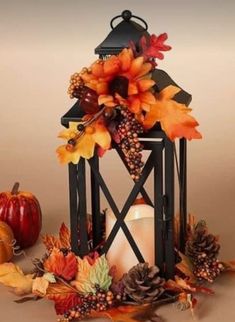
(124,32)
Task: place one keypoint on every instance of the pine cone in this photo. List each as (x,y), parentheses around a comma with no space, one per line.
(202,245)
(203,249)
(143,284)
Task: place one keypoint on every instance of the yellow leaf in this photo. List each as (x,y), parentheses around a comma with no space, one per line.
(85,141)
(82,276)
(11,275)
(66,156)
(40,285)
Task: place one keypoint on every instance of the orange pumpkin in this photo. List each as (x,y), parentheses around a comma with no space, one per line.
(6,239)
(22,212)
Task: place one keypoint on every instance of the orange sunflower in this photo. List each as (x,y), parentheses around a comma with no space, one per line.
(94,134)
(122,80)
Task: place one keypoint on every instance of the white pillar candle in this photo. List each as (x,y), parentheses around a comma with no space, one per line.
(140,222)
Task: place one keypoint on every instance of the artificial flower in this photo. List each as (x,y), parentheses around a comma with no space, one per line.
(122,80)
(94,134)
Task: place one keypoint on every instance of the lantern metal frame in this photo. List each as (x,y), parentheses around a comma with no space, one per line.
(161,161)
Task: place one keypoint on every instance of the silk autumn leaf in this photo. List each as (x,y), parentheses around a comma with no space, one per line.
(185,266)
(61,265)
(95,134)
(65,236)
(90,274)
(130,313)
(11,275)
(40,285)
(173,116)
(64,296)
(180,285)
(51,241)
(63,241)
(154,46)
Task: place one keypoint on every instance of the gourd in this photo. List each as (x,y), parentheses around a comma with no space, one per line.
(22,212)
(6,242)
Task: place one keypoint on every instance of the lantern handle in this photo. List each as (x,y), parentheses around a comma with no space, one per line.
(127,15)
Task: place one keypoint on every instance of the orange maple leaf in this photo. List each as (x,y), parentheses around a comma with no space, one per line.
(180,285)
(173,116)
(61,265)
(64,236)
(63,241)
(65,297)
(130,313)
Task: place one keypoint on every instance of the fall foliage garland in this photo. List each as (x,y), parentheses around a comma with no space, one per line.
(81,287)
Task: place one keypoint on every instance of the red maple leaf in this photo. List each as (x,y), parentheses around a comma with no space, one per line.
(64,297)
(153,47)
(61,265)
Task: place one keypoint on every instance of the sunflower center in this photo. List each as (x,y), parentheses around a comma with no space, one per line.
(119,85)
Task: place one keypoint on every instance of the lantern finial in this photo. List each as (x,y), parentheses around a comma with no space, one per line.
(126,15)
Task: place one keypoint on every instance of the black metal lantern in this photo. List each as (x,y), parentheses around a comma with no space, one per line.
(161,160)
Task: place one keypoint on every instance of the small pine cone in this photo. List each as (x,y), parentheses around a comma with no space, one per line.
(202,246)
(143,284)
(203,249)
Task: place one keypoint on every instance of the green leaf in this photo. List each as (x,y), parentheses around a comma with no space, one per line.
(99,274)
(89,275)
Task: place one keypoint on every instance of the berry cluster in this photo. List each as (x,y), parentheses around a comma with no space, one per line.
(207,269)
(100,301)
(75,82)
(129,129)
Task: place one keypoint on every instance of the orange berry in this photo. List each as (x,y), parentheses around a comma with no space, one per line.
(69,147)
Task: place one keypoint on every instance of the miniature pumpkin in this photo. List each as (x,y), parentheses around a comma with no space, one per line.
(6,242)
(22,212)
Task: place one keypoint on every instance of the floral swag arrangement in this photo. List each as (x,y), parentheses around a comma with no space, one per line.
(120,101)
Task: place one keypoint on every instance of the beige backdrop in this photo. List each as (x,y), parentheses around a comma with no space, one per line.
(44,42)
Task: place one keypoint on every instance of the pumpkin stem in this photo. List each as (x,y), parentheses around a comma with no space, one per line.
(15,189)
